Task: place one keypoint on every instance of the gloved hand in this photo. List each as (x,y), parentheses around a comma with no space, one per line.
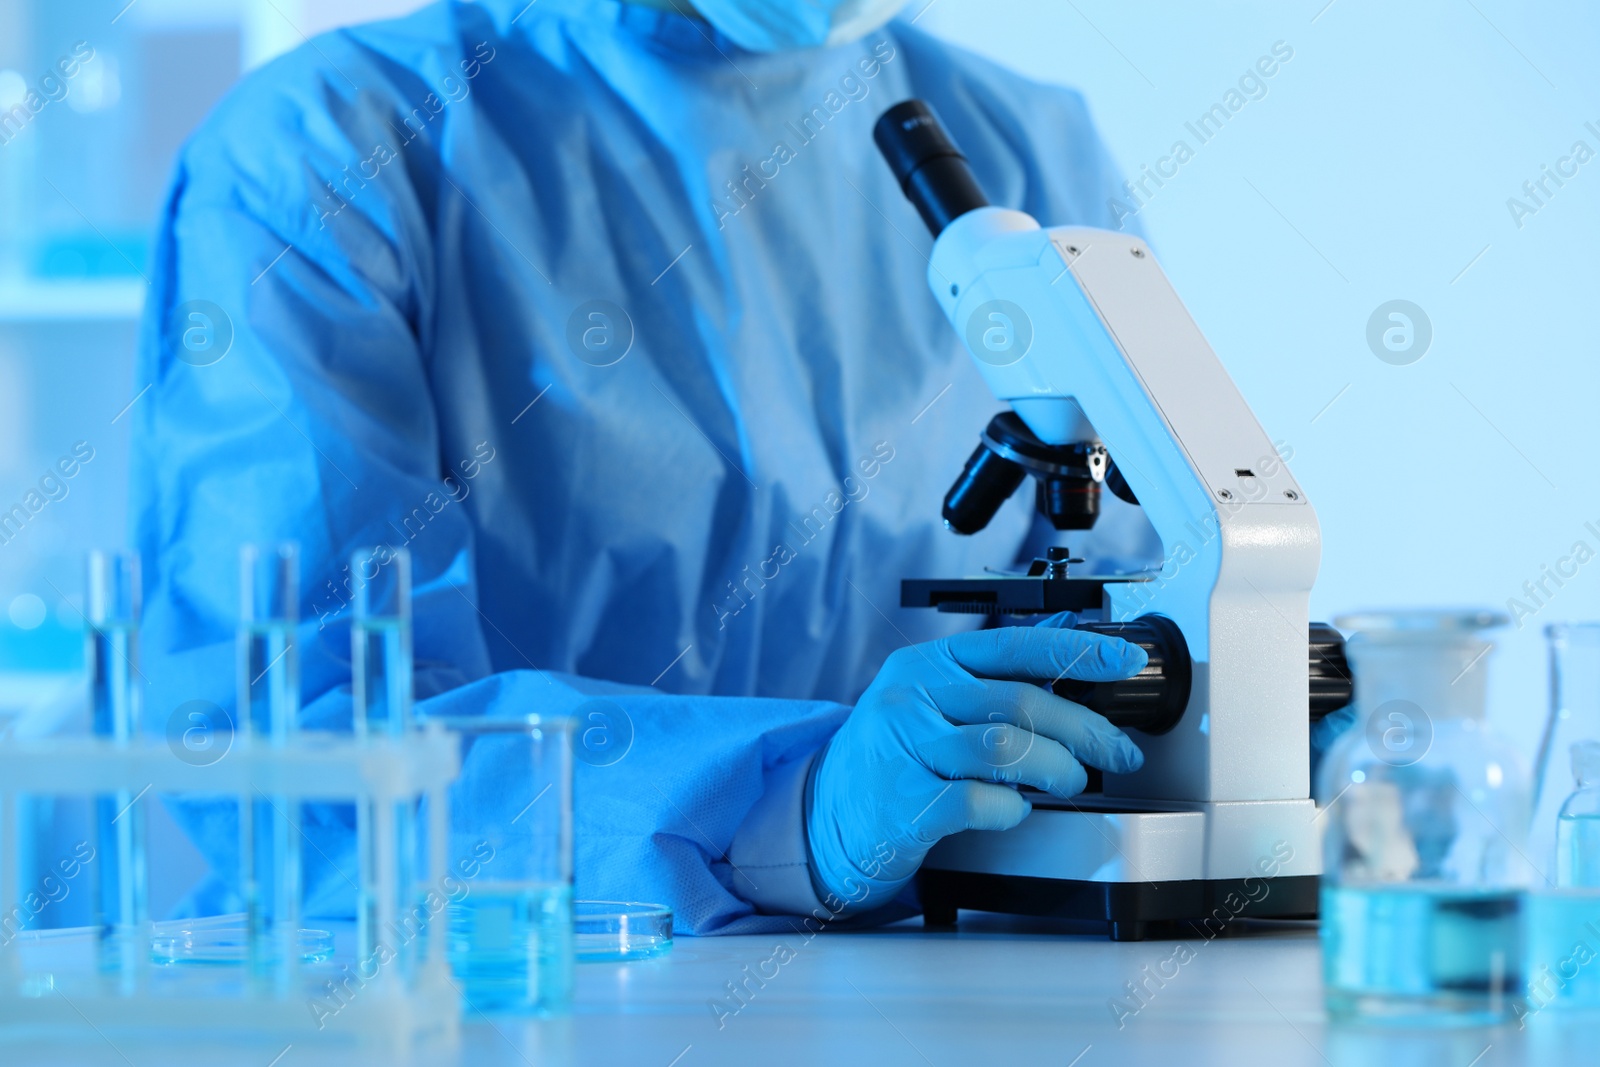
(933,743)
(1325,732)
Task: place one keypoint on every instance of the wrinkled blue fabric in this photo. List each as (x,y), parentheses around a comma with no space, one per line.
(623,332)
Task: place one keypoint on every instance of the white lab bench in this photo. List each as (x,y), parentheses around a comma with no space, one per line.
(997,991)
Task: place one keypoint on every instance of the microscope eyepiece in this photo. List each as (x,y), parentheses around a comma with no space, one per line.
(931,170)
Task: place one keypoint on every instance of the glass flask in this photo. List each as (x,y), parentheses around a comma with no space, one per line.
(1578,826)
(1425,814)
(1574,716)
(1563,964)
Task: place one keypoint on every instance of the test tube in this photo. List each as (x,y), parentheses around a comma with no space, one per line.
(381,640)
(381,666)
(269,704)
(111,654)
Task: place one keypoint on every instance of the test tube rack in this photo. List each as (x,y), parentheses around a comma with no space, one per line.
(379,770)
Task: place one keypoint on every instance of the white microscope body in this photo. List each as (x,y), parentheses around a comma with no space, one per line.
(1100,349)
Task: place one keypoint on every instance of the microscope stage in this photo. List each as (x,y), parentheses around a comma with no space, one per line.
(1008,594)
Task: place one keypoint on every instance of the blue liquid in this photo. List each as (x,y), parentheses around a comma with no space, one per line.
(271,671)
(119,826)
(1578,851)
(510,945)
(369,935)
(382,666)
(113,654)
(382,648)
(1421,954)
(1563,950)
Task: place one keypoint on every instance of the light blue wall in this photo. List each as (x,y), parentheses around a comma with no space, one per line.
(1377,166)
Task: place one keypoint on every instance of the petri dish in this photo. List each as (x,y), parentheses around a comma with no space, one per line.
(609,931)
(220,939)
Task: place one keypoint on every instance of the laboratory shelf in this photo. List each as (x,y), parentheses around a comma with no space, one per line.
(71,300)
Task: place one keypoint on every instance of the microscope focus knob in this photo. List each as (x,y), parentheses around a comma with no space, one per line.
(1153,700)
(1331,687)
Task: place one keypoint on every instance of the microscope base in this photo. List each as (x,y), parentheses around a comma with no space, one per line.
(1200,907)
(1133,863)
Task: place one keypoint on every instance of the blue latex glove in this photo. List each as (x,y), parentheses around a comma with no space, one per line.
(1325,732)
(936,742)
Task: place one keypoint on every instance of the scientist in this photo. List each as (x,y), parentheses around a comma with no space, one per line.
(611,316)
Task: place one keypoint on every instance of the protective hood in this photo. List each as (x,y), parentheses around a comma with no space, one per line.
(785,25)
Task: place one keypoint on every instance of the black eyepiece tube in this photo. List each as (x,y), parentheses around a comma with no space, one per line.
(931,170)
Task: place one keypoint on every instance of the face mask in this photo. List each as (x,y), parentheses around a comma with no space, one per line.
(783,25)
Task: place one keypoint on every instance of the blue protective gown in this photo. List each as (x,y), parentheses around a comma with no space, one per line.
(696,507)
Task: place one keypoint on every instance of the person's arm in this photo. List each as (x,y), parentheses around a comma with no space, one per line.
(285,353)
(317,424)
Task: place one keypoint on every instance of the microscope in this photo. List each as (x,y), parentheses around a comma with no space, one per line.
(1110,384)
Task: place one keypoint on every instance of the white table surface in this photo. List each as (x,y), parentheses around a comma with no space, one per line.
(997,991)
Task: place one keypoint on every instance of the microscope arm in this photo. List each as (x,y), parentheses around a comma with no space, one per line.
(1096,346)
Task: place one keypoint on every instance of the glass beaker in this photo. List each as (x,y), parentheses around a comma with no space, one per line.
(1425,816)
(509,865)
(1574,716)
